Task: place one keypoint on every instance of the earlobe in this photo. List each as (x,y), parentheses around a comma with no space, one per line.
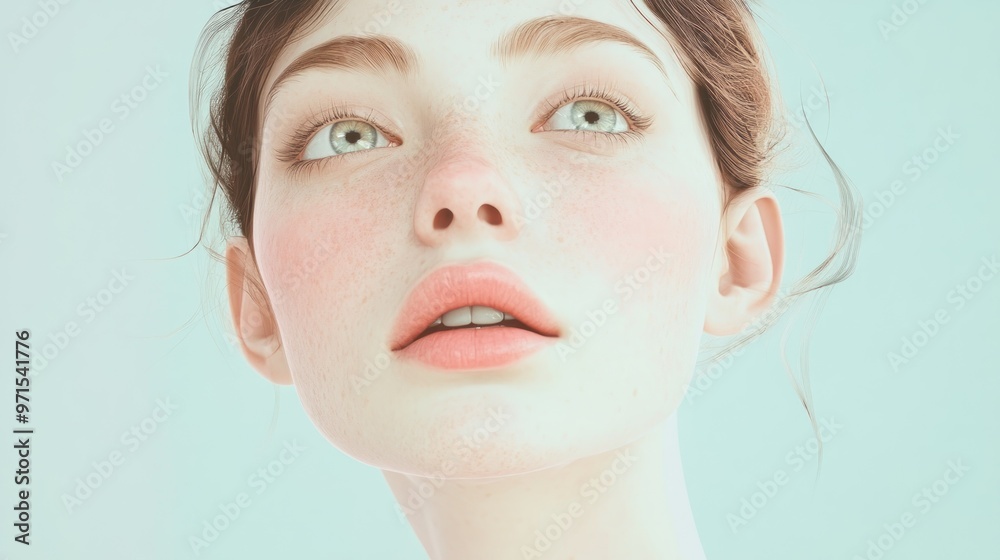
(253,320)
(748,270)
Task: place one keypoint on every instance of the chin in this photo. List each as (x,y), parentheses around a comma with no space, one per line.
(453,443)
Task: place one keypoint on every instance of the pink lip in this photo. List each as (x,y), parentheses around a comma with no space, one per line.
(456,286)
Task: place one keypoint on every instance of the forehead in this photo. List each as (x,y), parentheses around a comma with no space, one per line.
(445,38)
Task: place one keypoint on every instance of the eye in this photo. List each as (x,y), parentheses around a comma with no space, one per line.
(587,114)
(343,137)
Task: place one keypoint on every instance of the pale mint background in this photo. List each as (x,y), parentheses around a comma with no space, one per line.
(133,200)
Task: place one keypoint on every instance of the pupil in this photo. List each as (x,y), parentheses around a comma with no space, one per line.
(591,117)
(352,136)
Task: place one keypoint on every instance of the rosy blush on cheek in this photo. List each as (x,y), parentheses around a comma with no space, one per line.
(321,256)
(621,221)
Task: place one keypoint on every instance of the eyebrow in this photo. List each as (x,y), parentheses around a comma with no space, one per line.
(551,35)
(376,53)
(555,35)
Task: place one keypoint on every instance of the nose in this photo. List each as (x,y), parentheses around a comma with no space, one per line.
(465,199)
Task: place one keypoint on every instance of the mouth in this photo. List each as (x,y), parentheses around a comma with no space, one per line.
(472,317)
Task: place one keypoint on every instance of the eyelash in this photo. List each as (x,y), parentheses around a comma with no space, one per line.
(637,122)
(298,142)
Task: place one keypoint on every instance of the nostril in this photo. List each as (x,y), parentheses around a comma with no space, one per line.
(489,214)
(443,218)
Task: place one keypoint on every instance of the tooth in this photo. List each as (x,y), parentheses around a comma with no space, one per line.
(436,322)
(508,317)
(482,315)
(457,317)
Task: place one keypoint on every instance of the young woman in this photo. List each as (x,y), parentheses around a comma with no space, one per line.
(483,241)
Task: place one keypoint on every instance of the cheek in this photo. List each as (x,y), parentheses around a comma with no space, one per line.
(618,221)
(325,256)
(304,254)
(320,258)
(645,242)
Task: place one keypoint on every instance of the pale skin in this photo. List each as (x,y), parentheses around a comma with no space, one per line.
(339,243)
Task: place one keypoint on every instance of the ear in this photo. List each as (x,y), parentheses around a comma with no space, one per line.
(747,271)
(253,319)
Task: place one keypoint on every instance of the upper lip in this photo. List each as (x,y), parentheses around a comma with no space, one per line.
(455,286)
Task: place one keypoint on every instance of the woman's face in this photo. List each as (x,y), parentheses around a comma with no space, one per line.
(561,165)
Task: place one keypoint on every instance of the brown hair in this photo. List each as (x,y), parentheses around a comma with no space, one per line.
(717,41)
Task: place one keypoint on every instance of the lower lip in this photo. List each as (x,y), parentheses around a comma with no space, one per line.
(482,348)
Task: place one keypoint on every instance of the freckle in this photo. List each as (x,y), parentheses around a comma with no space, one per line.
(560,239)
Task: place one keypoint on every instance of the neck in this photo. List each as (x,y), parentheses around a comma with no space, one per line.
(629,502)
